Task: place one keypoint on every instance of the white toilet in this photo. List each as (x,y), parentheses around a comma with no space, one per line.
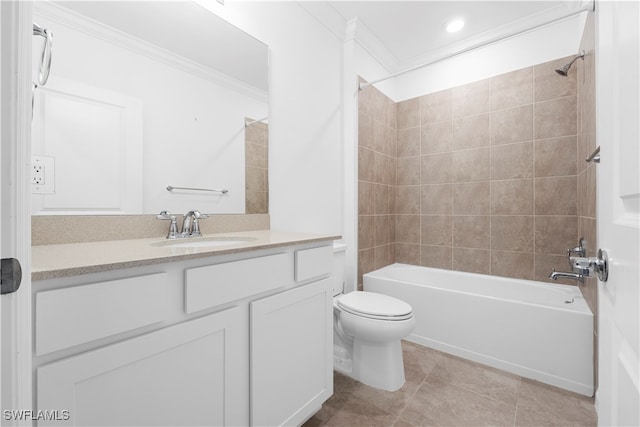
(367,329)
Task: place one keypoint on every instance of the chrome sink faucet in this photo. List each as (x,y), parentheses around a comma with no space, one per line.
(190,225)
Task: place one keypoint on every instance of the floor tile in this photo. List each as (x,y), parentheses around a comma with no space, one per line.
(481,379)
(359,412)
(419,357)
(544,405)
(441,403)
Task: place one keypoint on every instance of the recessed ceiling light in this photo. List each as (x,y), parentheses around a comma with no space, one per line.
(455,25)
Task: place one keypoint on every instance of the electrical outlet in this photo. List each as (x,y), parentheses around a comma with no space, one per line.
(37,174)
(42,175)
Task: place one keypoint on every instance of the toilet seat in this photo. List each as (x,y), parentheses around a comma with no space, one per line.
(375,306)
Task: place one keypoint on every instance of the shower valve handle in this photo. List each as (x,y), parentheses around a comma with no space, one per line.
(587,266)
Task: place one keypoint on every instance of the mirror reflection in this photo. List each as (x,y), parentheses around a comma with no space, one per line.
(143,96)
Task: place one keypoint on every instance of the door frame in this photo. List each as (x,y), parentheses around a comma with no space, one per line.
(15,220)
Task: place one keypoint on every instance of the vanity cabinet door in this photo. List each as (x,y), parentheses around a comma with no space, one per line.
(291,354)
(182,375)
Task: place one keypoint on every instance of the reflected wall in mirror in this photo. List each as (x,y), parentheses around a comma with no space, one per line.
(141,96)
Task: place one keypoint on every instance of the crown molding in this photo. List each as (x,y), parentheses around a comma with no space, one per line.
(370,43)
(126,41)
(327,16)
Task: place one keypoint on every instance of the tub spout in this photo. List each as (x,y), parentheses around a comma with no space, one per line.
(555,275)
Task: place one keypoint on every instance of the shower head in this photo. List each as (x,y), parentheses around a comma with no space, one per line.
(564,70)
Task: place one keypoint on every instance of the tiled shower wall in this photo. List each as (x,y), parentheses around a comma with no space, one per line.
(376,181)
(256,168)
(486,176)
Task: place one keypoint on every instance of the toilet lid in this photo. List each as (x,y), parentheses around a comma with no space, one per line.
(373,305)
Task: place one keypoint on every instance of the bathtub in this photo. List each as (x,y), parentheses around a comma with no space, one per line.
(536,330)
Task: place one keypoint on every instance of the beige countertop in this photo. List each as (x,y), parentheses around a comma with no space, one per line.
(73,259)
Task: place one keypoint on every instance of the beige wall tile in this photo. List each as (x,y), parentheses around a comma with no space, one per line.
(382,199)
(408,200)
(512,264)
(408,171)
(366,262)
(384,255)
(512,161)
(512,197)
(549,84)
(436,137)
(471,198)
(512,89)
(366,201)
(366,171)
(384,169)
(366,231)
(471,165)
(471,132)
(555,156)
(384,139)
(365,130)
(437,199)
(512,233)
(408,142)
(436,256)
(556,195)
(471,232)
(435,107)
(554,118)
(555,234)
(256,179)
(408,228)
(384,226)
(255,155)
(512,125)
(257,202)
(407,253)
(436,169)
(408,113)
(436,230)
(472,260)
(471,99)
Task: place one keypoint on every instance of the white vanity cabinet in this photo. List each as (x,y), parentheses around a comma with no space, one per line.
(241,339)
(178,376)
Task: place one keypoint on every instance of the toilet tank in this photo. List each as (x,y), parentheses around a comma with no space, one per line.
(338,267)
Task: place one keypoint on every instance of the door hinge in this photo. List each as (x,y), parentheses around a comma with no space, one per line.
(10,275)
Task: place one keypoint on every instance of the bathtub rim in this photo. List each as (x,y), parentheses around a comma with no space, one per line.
(579,306)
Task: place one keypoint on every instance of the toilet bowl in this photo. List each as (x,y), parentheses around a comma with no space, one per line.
(368,328)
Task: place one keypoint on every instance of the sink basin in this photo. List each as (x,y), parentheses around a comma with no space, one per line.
(204,242)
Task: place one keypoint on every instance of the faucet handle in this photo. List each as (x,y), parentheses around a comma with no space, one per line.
(164,215)
(578,251)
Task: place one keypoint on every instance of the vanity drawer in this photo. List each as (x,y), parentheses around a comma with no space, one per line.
(313,263)
(77,315)
(214,285)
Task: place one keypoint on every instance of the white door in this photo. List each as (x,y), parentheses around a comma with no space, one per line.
(15,122)
(618,118)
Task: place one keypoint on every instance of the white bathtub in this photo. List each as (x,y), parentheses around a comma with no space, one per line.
(536,330)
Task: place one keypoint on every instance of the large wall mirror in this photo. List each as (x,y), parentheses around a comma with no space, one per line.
(143,96)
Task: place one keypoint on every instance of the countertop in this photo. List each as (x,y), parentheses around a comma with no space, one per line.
(73,259)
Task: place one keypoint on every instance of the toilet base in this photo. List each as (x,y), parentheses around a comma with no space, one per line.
(379,365)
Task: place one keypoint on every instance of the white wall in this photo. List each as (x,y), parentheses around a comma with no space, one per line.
(193,128)
(305,113)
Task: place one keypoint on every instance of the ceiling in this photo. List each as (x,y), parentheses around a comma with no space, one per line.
(410,31)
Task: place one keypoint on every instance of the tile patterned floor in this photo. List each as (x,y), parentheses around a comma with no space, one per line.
(444,390)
